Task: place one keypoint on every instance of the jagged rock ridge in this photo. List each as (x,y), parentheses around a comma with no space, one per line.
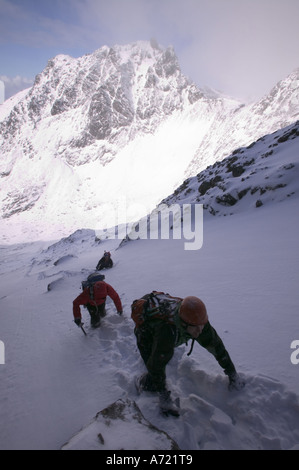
(114,91)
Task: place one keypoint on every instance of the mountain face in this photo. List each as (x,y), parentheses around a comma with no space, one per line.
(267,171)
(103,100)
(121,127)
(246,124)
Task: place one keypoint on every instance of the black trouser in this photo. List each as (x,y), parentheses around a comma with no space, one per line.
(156,342)
(96,313)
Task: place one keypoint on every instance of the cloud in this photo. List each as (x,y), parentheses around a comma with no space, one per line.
(14,85)
(33,27)
(116,19)
(242,47)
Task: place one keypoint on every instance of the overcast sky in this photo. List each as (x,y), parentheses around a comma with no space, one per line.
(240,47)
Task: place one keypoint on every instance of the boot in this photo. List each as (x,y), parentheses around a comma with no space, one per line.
(235,382)
(169,406)
(145,383)
(95,320)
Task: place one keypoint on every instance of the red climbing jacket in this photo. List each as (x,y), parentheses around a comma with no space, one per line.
(100,291)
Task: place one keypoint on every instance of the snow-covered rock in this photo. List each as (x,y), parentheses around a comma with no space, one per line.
(121,426)
(267,171)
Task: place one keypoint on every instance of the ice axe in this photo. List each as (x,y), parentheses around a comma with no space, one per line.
(81,326)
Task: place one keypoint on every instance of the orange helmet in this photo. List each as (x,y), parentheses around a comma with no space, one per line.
(193,311)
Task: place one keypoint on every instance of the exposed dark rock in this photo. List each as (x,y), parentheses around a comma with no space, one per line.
(226,200)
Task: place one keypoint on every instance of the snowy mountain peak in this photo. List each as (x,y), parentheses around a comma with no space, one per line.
(115,81)
(100,97)
(283,99)
(245,124)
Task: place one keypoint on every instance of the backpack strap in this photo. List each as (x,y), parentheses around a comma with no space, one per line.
(191,349)
(91,292)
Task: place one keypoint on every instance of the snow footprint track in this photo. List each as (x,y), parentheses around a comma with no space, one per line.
(112,343)
(115,338)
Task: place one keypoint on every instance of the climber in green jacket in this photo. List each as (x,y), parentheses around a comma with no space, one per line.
(163,323)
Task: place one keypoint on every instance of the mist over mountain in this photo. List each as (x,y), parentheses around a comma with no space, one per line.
(121,127)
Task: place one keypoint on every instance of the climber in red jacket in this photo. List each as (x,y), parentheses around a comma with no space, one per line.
(94,298)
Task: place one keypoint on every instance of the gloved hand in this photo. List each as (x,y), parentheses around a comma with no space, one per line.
(78,321)
(120,312)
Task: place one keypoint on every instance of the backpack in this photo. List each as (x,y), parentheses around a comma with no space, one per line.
(91,280)
(156,305)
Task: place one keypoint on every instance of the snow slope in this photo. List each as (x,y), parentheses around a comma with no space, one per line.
(55,379)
